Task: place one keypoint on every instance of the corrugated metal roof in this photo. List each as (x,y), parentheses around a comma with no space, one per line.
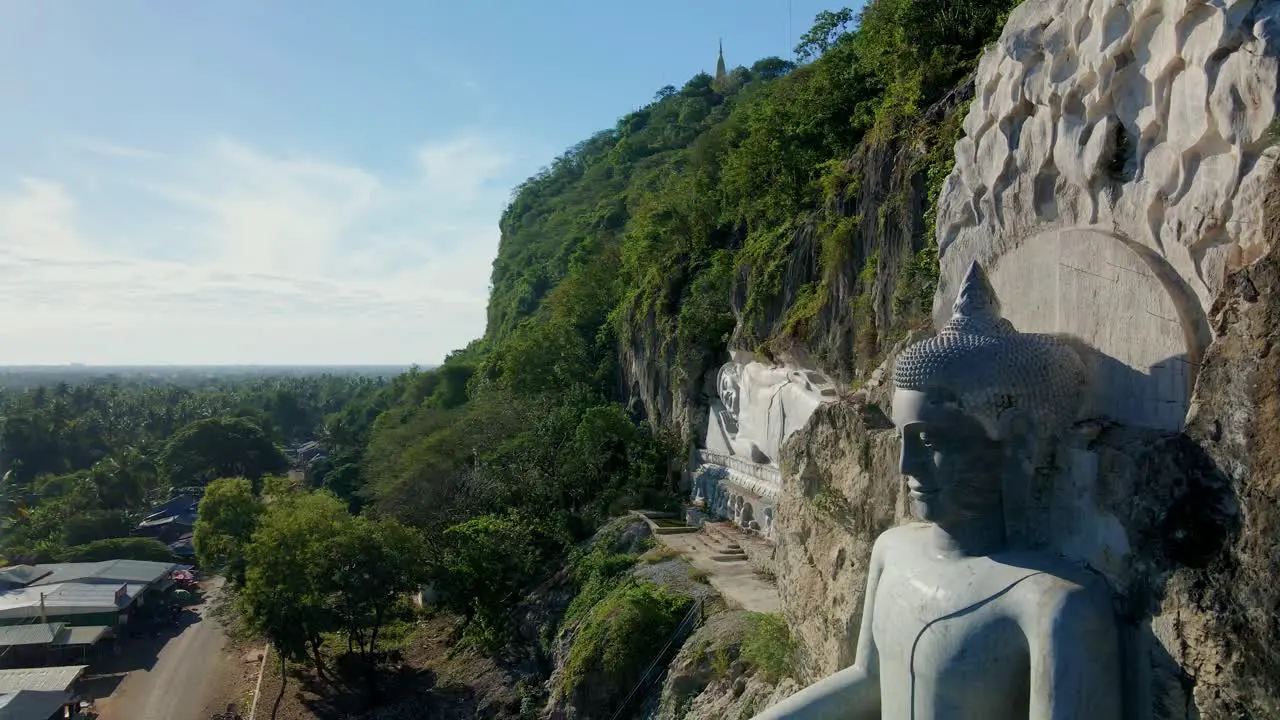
(32,704)
(45,678)
(67,572)
(38,634)
(107,571)
(87,635)
(66,599)
(184,519)
(21,574)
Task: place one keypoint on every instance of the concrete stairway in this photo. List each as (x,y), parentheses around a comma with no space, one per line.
(721,546)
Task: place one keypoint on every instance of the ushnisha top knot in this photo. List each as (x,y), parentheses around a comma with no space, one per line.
(979,359)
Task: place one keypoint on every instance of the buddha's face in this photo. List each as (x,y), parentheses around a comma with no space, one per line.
(953,466)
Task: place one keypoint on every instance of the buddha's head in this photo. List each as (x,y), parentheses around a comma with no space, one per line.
(975,398)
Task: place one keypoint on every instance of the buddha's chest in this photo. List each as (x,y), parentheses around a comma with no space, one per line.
(950,646)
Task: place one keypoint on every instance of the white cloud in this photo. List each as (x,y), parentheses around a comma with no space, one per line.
(234,255)
(38,220)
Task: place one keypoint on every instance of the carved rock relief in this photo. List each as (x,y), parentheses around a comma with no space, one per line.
(1134,137)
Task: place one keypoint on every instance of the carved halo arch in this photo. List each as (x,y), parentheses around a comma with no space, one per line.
(1141,328)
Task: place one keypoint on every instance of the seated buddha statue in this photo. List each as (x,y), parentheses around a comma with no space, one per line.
(961,621)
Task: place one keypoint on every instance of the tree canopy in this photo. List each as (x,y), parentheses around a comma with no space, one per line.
(220,447)
(82,463)
(228,515)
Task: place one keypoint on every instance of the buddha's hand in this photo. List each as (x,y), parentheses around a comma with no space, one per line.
(849,694)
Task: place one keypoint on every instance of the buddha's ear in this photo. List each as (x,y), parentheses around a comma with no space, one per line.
(1017,433)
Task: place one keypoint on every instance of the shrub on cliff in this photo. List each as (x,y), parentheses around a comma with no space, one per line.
(615,644)
(597,568)
(768,645)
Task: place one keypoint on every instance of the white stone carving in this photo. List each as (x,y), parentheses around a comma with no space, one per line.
(959,620)
(726,485)
(1144,327)
(758,406)
(1115,139)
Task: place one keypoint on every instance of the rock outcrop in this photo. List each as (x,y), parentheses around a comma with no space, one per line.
(1219,621)
(1111,172)
(840,491)
(709,680)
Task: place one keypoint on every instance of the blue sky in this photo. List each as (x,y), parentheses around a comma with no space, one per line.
(280,181)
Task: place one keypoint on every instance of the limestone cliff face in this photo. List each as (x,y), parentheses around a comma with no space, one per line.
(841,490)
(658,388)
(884,201)
(1219,622)
(868,305)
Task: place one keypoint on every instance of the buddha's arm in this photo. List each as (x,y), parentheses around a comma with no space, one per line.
(1075,659)
(851,693)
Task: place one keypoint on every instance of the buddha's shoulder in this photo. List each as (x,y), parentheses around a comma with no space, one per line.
(902,532)
(1062,588)
(902,538)
(1052,573)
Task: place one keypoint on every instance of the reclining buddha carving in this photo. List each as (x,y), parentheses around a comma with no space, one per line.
(962,618)
(759,405)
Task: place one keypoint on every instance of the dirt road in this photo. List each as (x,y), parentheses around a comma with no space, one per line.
(185,679)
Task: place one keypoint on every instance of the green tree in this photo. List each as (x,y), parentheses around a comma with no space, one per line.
(771,68)
(286,590)
(827,26)
(370,565)
(274,486)
(344,479)
(482,566)
(220,447)
(227,517)
(124,478)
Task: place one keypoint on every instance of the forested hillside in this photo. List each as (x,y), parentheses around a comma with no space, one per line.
(782,209)
(721,212)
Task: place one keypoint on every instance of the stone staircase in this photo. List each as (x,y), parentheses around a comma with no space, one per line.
(721,544)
